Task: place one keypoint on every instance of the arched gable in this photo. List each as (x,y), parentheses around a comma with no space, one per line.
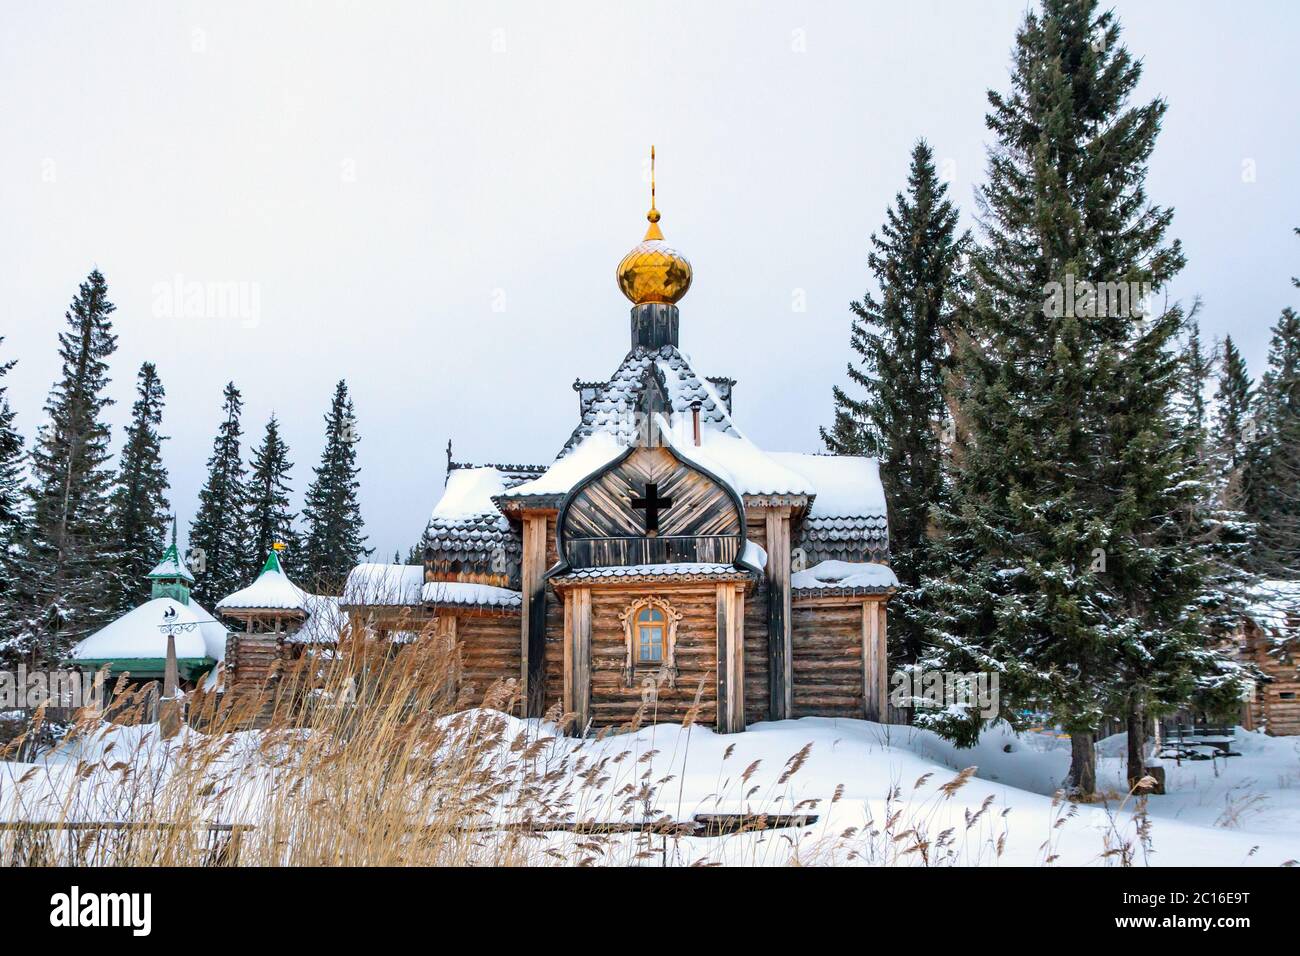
(650,507)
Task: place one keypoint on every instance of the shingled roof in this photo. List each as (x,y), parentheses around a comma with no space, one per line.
(614,404)
(845,517)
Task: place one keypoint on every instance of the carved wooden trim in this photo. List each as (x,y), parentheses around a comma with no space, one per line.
(668,669)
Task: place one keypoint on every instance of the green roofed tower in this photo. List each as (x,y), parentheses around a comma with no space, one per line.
(170,576)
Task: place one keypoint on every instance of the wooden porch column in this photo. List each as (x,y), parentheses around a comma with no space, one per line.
(532,658)
(875,662)
(444,628)
(577,657)
(781,677)
(731,658)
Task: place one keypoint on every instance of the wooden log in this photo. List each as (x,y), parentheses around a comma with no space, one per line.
(780,661)
(578,657)
(731,658)
(533,637)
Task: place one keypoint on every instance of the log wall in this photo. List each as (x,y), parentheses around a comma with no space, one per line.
(1275,707)
(489,650)
(757,690)
(827,659)
(696,656)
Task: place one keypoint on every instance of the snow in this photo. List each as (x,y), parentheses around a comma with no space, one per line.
(845,485)
(879,793)
(589,456)
(462,592)
(388,585)
(213,631)
(136,634)
(754,555)
(733,459)
(171,566)
(469,493)
(272,591)
(845,574)
(1272,602)
(325,621)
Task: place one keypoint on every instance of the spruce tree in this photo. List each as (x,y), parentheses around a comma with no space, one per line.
(268,515)
(141,511)
(1076,574)
(1232,401)
(1198,365)
(1272,470)
(903,339)
(13,514)
(70,562)
(219,539)
(334,542)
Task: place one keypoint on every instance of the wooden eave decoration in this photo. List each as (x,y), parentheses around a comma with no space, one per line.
(245,613)
(795,502)
(528,504)
(661,582)
(848,595)
(476,610)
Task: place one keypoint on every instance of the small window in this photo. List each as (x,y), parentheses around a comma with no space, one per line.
(650,636)
(650,626)
(1287,695)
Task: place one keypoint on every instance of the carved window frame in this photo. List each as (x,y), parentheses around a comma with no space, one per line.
(633,671)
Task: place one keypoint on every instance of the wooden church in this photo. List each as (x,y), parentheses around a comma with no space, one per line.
(661,560)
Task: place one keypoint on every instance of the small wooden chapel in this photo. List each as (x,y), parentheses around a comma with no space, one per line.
(662,560)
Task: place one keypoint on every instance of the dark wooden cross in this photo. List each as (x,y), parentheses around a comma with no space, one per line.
(652,504)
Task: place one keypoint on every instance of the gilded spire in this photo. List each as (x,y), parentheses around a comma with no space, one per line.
(653,271)
(653,215)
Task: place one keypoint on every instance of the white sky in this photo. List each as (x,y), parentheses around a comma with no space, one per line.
(383,175)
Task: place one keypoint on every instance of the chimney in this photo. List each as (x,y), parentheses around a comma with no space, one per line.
(695,421)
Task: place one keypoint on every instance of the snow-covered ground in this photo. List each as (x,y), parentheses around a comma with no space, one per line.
(882,794)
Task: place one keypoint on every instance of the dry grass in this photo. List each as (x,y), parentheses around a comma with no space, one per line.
(372,756)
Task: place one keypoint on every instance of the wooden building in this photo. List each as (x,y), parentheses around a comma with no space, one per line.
(662,559)
(1269,638)
(276,623)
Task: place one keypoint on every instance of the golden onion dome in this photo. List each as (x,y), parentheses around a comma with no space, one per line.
(654,271)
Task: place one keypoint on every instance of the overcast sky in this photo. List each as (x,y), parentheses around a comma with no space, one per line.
(429,200)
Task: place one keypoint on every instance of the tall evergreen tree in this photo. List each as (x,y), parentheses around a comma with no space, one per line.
(13,513)
(268,514)
(903,340)
(1232,401)
(141,511)
(1272,471)
(1198,365)
(1077,576)
(219,539)
(69,564)
(334,542)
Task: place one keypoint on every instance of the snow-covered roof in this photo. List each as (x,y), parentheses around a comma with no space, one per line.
(840,575)
(614,404)
(590,455)
(138,634)
(465,594)
(325,622)
(383,585)
(272,591)
(845,486)
(469,493)
(172,565)
(1274,604)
